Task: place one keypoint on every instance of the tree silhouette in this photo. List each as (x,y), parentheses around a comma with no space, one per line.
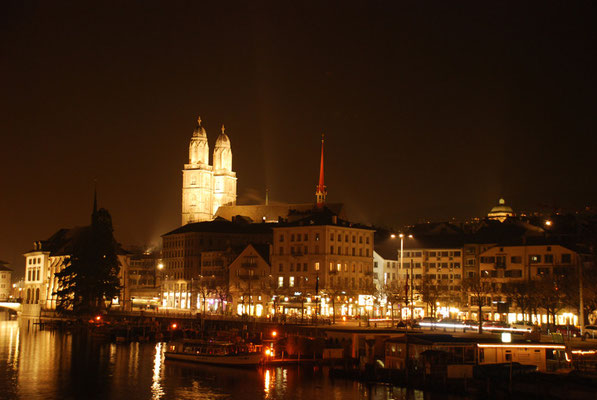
(91,276)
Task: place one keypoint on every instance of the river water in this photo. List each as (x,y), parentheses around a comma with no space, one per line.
(38,364)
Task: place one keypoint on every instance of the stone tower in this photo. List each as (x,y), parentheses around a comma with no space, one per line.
(205,188)
(224,177)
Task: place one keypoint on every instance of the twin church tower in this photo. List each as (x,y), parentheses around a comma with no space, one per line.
(205,187)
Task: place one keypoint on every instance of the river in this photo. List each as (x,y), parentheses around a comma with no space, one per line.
(39,364)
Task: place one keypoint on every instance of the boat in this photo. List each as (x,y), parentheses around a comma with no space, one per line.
(222,353)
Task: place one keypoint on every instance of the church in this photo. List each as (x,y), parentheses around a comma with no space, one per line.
(206,187)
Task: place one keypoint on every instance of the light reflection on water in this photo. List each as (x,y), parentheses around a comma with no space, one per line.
(38,364)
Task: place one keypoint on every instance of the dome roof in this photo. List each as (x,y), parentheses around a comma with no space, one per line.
(502,208)
(199,130)
(223,140)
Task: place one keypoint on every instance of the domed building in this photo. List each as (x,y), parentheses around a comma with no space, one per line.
(501,211)
(205,187)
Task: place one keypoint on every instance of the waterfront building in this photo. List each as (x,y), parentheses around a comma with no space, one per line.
(142,279)
(184,250)
(252,290)
(5,281)
(534,260)
(433,259)
(325,257)
(206,187)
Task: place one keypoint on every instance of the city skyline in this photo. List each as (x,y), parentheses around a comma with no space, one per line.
(423,119)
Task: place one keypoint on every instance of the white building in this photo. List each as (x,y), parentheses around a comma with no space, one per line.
(205,187)
(5,282)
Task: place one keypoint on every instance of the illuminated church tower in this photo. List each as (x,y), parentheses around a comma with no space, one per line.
(205,188)
(224,193)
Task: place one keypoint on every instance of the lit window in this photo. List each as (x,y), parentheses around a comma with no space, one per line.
(280,281)
(316,266)
(291,281)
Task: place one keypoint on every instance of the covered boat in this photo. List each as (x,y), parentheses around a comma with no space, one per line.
(214,352)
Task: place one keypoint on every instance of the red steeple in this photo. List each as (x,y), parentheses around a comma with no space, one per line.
(320,193)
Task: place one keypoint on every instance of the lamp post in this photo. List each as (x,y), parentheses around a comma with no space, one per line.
(412,317)
(161,276)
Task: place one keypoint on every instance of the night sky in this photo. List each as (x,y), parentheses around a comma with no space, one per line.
(430,112)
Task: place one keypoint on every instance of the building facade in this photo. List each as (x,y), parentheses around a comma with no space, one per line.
(206,187)
(5,282)
(327,257)
(251,286)
(214,243)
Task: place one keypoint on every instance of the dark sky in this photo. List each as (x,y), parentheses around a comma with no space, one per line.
(430,111)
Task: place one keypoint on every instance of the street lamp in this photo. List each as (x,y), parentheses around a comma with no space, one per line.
(161,276)
(412,317)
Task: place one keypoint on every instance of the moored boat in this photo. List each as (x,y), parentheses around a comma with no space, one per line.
(214,352)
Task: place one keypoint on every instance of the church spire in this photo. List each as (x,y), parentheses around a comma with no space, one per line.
(321,193)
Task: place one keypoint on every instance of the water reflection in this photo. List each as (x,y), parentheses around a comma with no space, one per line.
(156,387)
(38,364)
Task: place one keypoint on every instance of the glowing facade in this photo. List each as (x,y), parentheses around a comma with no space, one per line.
(205,187)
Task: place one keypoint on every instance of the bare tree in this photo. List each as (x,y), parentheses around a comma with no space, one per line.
(429,293)
(477,289)
(522,294)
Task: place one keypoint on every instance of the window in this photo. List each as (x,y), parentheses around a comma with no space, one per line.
(488,260)
(456,265)
(281,250)
(338,267)
(549,258)
(280,281)
(354,239)
(445,253)
(516,260)
(316,236)
(566,258)
(360,239)
(513,273)
(432,265)
(534,259)
(456,254)
(292,237)
(407,254)
(353,251)
(332,237)
(366,252)
(316,266)
(432,254)
(346,238)
(542,271)
(331,249)
(306,237)
(367,240)
(281,268)
(281,238)
(291,267)
(361,252)
(306,250)
(291,281)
